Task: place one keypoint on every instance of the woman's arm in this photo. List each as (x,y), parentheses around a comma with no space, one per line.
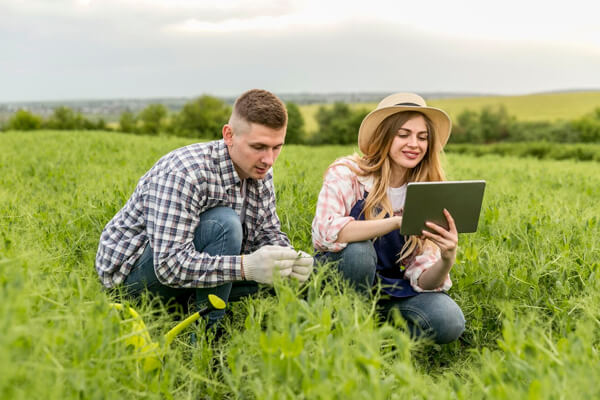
(356,231)
(447,241)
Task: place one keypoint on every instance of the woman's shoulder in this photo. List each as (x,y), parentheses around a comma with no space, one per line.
(347,169)
(344,166)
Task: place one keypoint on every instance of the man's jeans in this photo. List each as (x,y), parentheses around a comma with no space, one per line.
(430,314)
(219,233)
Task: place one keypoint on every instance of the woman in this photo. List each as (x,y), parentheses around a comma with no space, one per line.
(359,214)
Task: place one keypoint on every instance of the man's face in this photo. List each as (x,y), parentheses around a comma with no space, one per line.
(254,152)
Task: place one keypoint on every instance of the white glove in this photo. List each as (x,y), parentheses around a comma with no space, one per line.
(261,265)
(303,266)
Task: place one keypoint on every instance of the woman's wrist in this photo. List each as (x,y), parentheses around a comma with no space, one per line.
(398,222)
(449,257)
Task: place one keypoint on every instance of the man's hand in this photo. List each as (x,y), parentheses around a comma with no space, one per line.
(261,265)
(303,266)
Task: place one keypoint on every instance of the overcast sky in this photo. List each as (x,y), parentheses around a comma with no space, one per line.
(88,49)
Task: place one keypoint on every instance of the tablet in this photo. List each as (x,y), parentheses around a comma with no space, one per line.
(425,201)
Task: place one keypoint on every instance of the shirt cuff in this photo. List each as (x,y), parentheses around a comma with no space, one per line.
(328,242)
(422,263)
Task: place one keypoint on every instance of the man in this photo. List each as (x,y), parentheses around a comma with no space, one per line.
(202,220)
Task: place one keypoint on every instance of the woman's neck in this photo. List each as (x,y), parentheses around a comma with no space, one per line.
(398,177)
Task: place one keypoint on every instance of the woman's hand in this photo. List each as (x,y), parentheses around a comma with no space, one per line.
(446,240)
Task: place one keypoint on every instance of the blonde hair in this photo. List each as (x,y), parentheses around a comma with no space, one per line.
(376,164)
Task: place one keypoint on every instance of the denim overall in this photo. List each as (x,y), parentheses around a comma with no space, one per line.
(388,248)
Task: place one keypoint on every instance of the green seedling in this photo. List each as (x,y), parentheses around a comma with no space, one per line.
(150,353)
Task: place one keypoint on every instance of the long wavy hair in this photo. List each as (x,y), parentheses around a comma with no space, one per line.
(376,163)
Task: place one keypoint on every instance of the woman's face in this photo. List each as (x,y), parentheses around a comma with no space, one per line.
(409,145)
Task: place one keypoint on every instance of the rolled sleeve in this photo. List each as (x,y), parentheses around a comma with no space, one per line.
(339,193)
(420,264)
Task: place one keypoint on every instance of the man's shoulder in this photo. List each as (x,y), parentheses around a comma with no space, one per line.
(195,162)
(193,158)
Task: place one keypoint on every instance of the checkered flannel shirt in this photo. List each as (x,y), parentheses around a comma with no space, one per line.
(165,209)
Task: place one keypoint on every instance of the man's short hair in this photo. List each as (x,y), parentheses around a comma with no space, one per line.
(259,107)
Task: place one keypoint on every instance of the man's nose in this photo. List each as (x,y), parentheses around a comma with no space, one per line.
(267,157)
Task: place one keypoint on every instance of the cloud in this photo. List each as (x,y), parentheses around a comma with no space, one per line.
(148,48)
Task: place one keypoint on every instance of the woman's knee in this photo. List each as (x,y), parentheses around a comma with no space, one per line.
(358,263)
(435,316)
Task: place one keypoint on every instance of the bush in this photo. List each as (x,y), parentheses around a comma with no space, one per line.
(202,117)
(338,124)
(540,150)
(491,124)
(295,127)
(23,120)
(152,119)
(531,131)
(588,127)
(64,118)
(128,122)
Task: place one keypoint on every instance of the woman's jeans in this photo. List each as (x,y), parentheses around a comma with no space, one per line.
(218,233)
(432,315)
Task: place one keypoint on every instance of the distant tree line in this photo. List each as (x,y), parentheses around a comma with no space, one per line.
(495,125)
(204,117)
(201,118)
(63,118)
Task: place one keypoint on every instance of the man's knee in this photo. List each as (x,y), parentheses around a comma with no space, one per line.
(219,232)
(358,263)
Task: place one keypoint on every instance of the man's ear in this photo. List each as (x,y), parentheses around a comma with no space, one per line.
(228,134)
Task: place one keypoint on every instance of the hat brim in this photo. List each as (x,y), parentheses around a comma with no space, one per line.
(440,120)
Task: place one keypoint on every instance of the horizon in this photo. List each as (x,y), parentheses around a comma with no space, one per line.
(430,95)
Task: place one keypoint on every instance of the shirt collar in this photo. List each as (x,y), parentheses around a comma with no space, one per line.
(367,181)
(226,168)
(228,172)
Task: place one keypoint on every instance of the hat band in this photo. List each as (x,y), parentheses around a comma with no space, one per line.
(408,104)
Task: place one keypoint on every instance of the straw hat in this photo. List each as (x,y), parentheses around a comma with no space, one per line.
(400,102)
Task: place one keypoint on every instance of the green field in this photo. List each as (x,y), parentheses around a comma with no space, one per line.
(535,107)
(528,283)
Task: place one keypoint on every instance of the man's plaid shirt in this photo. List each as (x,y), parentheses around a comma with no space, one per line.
(165,210)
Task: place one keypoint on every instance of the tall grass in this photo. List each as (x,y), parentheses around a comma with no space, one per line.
(528,283)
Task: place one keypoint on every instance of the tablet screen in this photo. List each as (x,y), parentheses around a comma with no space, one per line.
(425,201)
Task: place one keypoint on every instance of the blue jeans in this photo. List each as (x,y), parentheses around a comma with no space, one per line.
(218,233)
(432,315)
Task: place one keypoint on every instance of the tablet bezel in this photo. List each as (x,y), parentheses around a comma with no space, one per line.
(425,201)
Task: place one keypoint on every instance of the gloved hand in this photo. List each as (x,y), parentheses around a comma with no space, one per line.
(261,265)
(303,266)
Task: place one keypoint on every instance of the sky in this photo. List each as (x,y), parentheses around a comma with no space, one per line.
(101,49)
